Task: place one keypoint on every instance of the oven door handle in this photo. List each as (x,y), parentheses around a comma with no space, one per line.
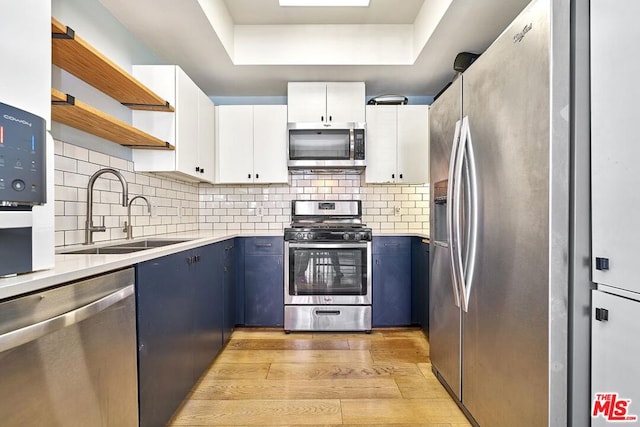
(326,245)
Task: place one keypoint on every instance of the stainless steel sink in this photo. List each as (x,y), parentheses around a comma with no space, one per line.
(125,248)
(149,243)
(106,250)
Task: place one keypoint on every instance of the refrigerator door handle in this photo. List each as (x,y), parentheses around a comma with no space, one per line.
(456,201)
(467,269)
(450,215)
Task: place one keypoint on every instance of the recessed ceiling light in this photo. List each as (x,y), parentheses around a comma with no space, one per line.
(325,3)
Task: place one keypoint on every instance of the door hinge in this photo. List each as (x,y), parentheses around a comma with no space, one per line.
(602,263)
(602,314)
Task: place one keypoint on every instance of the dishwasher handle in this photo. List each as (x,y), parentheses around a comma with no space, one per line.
(32,332)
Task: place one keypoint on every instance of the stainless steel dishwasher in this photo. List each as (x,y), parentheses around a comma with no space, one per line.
(68,355)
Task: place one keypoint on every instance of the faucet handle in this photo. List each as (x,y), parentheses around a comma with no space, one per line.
(101,227)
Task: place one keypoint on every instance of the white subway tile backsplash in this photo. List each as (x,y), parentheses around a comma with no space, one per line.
(181,206)
(67,165)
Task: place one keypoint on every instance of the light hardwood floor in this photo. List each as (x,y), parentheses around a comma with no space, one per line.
(268,378)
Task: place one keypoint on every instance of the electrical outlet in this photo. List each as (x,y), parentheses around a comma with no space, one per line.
(259,211)
(396,210)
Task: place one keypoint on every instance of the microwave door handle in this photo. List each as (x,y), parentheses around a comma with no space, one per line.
(352,144)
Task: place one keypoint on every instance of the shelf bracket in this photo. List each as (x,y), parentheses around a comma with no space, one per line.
(162,107)
(69,34)
(71,100)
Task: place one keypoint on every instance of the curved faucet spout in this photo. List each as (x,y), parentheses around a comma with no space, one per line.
(128,227)
(89,228)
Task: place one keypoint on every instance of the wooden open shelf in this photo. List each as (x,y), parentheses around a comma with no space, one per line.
(68,110)
(79,58)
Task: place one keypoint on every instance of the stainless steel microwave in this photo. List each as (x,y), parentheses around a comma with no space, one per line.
(315,146)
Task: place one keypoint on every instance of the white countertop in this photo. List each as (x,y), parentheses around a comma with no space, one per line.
(76,267)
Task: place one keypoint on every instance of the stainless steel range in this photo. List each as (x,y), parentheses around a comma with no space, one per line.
(327,263)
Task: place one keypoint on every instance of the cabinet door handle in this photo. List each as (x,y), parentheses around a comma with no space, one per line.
(400,176)
(322,118)
(393,176)
(602,314)
(249,176)
(330,118)
(202,171)
(263,245)
(197,168)
(392,244)
(257,176)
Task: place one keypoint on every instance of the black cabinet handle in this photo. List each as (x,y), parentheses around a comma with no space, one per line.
(322,118)
(197,168)
(602,314)
(257,176)
(249,176)
(202,171)
(400,176)
(602,264)
(393,176)
(330,118)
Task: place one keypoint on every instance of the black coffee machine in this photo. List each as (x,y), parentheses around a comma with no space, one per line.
(22,184)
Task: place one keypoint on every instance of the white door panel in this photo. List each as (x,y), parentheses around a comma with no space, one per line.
(614,149)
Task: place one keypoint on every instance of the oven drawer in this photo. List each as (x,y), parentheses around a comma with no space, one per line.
(327,318)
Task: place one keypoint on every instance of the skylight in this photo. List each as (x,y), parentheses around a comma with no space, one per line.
(325,3)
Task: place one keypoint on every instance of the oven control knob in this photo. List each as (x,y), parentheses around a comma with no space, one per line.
(347,236)
(298,236)
(307,236)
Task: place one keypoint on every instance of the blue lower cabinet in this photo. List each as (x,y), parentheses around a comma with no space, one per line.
(391,281)
(180,306)
(420,283)
(207,304)
(229,288)
(263,281)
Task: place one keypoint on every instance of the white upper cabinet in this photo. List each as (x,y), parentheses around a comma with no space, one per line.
(326,102)
(270,144)
(381,143)
(206,136)
(189,128)
(251,144)
(397,144)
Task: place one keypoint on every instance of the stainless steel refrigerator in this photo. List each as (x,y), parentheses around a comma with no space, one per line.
(500,226)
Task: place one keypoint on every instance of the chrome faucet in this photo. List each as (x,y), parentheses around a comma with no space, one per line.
(89,228)
(128,228)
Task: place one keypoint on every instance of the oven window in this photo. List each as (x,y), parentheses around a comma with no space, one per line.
(332,144)
(328,271)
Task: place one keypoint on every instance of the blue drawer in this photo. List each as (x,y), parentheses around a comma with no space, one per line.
(392,245)
(263,246)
